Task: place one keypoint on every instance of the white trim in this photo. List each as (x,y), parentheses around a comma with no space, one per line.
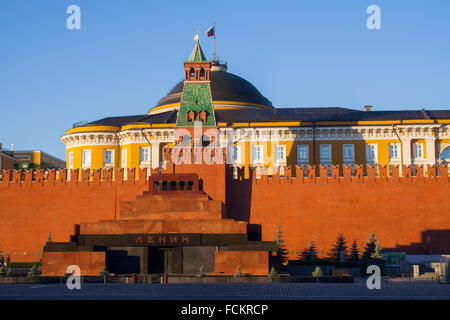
(374,159)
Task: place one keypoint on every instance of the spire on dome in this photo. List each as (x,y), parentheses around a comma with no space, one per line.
(197,54)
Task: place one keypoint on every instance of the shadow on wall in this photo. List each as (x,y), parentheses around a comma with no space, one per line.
(433,242)
(238,194)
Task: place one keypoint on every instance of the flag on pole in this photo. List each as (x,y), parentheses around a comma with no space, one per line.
(210,31)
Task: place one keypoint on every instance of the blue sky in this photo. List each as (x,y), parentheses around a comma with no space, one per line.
(128,54)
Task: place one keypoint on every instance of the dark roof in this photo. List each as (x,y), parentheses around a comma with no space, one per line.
(225,86)
(283,114)
(396,115)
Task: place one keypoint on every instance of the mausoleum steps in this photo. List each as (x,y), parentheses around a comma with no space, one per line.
(170,215)
(186,205)
(210,226)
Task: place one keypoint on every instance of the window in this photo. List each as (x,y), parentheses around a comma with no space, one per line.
(202,73)
(371,152)
(70,160)
(124,158)
(108,157)
(144,155)
(257,154)
(418,150)
(325,153)
(280,153)
(192,73)
(348,153)
(445,154)
(237,154)
(302,154)
(394,151)
(86,157)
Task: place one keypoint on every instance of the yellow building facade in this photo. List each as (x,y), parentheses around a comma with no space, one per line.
(253,132)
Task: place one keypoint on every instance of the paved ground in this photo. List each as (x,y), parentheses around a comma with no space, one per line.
(292,291)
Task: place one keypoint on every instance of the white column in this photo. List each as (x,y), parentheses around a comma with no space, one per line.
(156,155)
(431,151)
(406,143)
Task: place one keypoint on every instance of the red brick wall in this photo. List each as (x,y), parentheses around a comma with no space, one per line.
(29,210)
(56,263)
(250,262)
(412,212)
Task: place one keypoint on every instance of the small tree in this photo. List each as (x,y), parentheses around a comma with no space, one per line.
(339,246)
(238,273)
(201,273)
(273,273)
(377,256)
(33,271)
(104,272)
(282,251)
(317,272)
(354,252)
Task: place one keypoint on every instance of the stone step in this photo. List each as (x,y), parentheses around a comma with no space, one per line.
(223,226)
(185,215)
(166,206)
(174,196)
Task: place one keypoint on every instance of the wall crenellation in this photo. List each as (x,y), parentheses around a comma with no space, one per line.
(291,174)
(343,174)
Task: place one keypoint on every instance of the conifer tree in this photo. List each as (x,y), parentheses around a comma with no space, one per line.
(370,247)
(312,251)
(304,255)
(377,254)
(354,252)
(282,251)
(339,246)
(309,253)
(372,254)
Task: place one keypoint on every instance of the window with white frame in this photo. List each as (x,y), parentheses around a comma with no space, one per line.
(86,157)
(144,155)
(257,154)
(237,154)
(124,158)
(348,151)
(108,157)
(394,151)
(371,152)
(418,150)
(325,153)
(70,164)
(280,153)
(302,154)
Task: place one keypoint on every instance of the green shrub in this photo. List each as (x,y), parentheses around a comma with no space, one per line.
(23,265)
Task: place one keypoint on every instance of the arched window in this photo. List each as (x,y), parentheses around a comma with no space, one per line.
(445,154)
(186,141)
(202,73)
(192,73)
